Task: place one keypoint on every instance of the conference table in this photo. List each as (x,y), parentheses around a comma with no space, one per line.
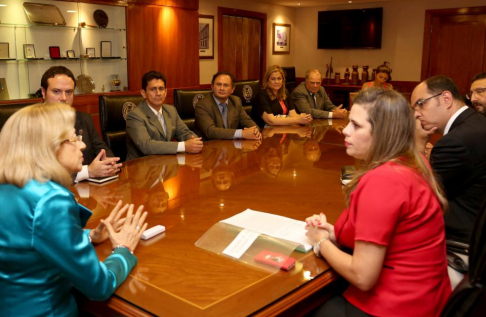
(293,172)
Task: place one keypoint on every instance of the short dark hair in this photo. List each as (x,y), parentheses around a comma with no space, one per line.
(152,75)
(224,72)
(440,83)
(53,72)
(479,77)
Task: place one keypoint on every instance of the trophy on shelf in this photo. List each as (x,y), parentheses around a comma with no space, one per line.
(346,76)
(355,75)
(329,71)
(115,83)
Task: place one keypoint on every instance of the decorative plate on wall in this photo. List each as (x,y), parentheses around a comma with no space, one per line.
(44,14)
(85,84)
(101,18)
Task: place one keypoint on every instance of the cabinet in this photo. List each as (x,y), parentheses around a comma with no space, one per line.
(23,76)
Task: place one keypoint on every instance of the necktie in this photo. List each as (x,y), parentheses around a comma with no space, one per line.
(224,114)
(162,122)
(314,98)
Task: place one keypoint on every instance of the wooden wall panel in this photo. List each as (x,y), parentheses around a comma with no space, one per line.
(242,46)
(245,53)
(164,39)
(254,52)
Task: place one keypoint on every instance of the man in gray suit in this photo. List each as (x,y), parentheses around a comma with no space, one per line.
(221,115)
(152,125)
(311,98)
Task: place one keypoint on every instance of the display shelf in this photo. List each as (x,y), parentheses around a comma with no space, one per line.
(23,74)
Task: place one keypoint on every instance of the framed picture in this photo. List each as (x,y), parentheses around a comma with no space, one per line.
(90,51)
(105,49)
(29,51)
(54,52)
(70,54)
(280,38)
(206,36)
(4,50)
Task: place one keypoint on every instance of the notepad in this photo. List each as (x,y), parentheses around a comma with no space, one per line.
(100,180)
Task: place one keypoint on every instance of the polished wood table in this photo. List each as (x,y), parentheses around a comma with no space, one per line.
(294,172)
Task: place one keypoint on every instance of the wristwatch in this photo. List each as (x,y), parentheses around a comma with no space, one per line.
(317,246)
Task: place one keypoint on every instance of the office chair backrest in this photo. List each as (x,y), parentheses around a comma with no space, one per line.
(113,111)
(469,297)
(185,100)
(247,91)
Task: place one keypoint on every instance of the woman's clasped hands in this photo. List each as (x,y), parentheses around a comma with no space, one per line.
(317,228)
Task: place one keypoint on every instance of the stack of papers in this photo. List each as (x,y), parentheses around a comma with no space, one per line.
(272,225)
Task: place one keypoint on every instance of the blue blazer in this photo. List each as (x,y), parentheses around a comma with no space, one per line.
(44,252)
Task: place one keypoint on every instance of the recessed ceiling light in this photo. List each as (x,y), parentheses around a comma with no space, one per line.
(3,5)
(71,11)
(298,4)
(350,1)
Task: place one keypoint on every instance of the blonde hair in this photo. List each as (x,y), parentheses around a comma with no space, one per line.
(281,92)
(392,130)
(29,142)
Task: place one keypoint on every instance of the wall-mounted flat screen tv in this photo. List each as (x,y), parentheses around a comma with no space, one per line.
(345,29)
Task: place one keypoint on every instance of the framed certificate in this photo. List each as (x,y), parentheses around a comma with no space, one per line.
(90,51)
(29,51)
(105,49)
(54,52)
(4,51)
(70,54)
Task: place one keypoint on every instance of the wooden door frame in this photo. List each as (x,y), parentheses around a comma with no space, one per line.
(245,14)
(429,15)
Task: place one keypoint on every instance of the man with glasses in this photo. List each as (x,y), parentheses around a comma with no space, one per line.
(57,85)
(477,95)
(311,98)
(459,157)
(152,125)
(221,115)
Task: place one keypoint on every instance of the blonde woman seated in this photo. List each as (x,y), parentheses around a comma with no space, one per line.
(382,79)
(393,222)
(274,105)
(43,248)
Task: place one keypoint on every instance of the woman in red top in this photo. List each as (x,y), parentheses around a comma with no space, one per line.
(393,222)
(273,104)
(382,79)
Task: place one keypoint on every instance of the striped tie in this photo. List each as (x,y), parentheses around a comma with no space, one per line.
(314,98)
(224,114)
(162,122)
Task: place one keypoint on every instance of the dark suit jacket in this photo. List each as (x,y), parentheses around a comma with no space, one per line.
(210,121)
(263,103)
(94,144)
(459,159)
(145,135)
(304,102)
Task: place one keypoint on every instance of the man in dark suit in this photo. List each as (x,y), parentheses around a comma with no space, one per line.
(57,85)
(152,125)
(311,98)
(221,115)
(477,94)
(459,157)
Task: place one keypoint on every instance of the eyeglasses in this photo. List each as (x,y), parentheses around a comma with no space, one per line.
(77,138)
(420,103)
(477,91)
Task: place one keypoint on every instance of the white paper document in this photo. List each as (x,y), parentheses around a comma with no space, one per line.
(272,225)
(241,243)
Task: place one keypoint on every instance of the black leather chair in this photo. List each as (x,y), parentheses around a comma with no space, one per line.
(289,78)
(7,110)
(113,111)
(185,101)
(469,297)
(247,90)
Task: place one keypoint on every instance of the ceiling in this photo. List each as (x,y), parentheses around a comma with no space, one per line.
(315,3)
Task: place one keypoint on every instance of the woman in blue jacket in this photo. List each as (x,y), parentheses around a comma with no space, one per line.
(43,248)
